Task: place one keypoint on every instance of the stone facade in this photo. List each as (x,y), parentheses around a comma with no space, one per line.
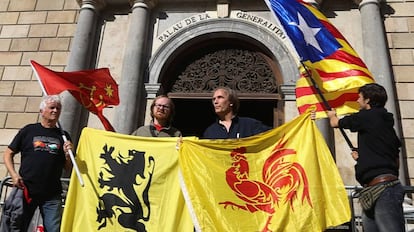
(44,31)
(29,30)
(399,25)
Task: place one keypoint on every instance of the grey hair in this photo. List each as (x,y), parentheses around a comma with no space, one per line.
(50,98)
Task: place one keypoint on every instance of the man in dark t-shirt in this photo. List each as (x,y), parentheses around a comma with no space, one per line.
(377,158)
(44,154)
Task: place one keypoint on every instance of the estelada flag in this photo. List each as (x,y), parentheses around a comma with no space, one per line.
(94,89)
(332,63)
(282,180)
(131,184)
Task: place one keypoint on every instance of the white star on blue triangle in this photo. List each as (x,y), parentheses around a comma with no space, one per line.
(309,33)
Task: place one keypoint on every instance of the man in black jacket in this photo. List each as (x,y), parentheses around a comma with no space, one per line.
(377,160)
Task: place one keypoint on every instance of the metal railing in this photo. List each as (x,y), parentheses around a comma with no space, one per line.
(6,187)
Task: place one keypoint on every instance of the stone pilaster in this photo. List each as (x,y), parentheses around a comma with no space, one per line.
(376,57)
(223,8)
(132,92)
(96,4)
(74,117)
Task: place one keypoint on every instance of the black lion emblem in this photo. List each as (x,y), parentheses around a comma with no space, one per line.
(121,176)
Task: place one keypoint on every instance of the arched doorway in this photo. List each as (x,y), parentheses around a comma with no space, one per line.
(194,111)
(233,62)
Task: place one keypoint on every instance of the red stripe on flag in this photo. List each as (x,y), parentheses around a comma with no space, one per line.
(338,75)
(347,58)
(334,103)
(305,91)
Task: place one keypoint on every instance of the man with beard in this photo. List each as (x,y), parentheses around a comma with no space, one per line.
(162,112)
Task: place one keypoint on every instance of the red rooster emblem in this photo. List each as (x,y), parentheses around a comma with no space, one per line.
(282,182)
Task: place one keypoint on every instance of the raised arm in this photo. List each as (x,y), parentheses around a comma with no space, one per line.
(333,119)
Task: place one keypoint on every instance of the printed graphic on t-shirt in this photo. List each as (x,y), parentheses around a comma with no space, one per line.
(48,144)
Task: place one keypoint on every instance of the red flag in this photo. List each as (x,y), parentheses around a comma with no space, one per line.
(334,65)
(94,89)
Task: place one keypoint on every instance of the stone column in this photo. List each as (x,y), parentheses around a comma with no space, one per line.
(377,59)
(152,90)
(74,117)
(131,89)
(287,91)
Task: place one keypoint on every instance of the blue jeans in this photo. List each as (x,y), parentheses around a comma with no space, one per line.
(50,209)
(387,214)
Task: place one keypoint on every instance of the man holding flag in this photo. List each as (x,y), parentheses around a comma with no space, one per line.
(332,72)
(44,154)
(94,89)
(377,160)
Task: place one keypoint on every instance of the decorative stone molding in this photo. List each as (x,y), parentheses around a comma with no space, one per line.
(152,89)
(143,3)
(288,92)
(214,29)
(223,8)
(93,4)
(363,2)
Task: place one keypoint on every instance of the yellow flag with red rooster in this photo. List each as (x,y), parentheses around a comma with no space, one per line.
(282,180)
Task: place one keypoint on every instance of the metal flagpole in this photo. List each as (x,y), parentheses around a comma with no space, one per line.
(327,106)
(72,157)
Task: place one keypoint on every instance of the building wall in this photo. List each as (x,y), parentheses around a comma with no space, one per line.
(43,30)
(29,30)
(399,25)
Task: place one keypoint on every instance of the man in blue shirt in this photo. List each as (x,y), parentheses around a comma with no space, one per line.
(229,125)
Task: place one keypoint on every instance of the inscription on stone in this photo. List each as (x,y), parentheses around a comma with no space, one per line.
(262,22)
(182,24)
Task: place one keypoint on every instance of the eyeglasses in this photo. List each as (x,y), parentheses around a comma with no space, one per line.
(159,106)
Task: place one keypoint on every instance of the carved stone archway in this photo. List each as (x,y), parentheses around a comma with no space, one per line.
(214,29)
(222,52)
